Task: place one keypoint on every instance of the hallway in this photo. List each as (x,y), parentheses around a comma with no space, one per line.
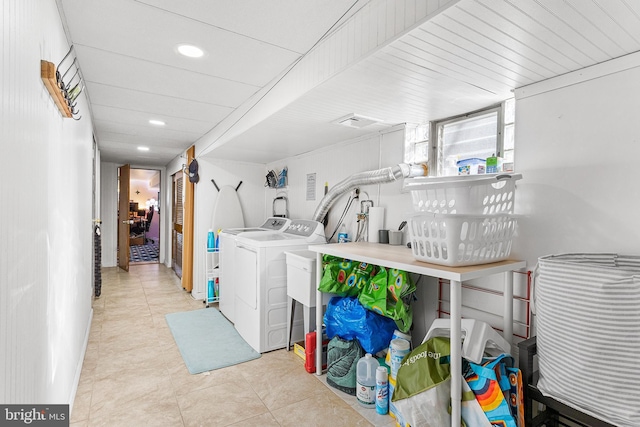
(133,373)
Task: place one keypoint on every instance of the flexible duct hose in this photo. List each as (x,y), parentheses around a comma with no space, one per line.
(379,176)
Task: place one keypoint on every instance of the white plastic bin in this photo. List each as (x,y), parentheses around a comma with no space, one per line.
(460,240)
(470,195)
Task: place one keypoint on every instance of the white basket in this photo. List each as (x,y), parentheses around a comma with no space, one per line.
(470,195)
(458,240)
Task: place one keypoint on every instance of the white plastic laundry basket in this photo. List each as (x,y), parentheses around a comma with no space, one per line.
(470,195)
(588,333)
(458,240)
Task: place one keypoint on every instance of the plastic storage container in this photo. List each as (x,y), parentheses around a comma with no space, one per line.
(470,195)
(459,240)
(396,335)
(398,349)
(472,166)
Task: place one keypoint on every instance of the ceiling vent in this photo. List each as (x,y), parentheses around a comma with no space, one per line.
(356,121)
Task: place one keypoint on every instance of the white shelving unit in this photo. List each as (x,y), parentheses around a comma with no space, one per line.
(212,272)
(400,257)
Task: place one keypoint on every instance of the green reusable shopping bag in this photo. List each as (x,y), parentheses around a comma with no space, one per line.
(423,387)
(344,277)
(388,293)
(422,393)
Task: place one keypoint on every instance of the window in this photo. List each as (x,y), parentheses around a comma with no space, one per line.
(416,144)
(476,135)
(508,145)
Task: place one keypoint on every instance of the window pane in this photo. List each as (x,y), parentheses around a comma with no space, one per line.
(469,138)
(508,137)
(421,152)
(510,110)
(416,144)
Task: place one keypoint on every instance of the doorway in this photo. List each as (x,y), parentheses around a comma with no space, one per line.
(144,216)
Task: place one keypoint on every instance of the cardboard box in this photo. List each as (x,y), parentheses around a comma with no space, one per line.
(298,348)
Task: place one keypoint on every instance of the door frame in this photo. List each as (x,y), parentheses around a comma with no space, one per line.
(188,227)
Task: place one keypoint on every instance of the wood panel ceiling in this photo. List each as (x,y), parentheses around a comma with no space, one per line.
(466,55)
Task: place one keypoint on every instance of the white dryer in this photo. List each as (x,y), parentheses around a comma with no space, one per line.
(227,245)
(261,282)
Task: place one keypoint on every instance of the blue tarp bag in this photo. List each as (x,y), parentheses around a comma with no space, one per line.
(348,319)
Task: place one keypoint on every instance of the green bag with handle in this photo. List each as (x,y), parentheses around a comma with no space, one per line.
(344,277)
(388,294)
(422,393)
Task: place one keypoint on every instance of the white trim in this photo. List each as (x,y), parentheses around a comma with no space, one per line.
(76,379)
(602,69)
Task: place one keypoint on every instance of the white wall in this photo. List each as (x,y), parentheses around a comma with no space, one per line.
(338,162)
(250,193)
(46,243)
(577,146)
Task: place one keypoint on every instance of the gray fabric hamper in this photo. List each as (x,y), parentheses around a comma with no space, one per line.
(588,333)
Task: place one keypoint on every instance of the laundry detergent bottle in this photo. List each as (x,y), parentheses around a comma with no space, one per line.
(366,381)
(211,242)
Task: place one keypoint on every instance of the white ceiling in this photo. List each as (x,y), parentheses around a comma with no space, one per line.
(466,57)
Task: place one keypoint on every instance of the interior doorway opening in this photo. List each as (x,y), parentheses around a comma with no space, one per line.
(144,216)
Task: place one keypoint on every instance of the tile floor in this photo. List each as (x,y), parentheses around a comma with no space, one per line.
(134,375)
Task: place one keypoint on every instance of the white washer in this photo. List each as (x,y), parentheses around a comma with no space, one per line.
(227,244)
(261,282)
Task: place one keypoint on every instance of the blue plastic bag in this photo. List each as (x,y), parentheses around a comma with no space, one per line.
(348,319)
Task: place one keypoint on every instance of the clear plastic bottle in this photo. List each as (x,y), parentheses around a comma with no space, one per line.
(343,236)
(366,381)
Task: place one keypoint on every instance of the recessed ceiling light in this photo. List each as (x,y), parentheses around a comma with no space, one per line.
(143,148)
(157,122)
(190,50)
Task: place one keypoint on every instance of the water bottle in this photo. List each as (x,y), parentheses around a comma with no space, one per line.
(211,242)
(343,237)
(382,390)
(366,381)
